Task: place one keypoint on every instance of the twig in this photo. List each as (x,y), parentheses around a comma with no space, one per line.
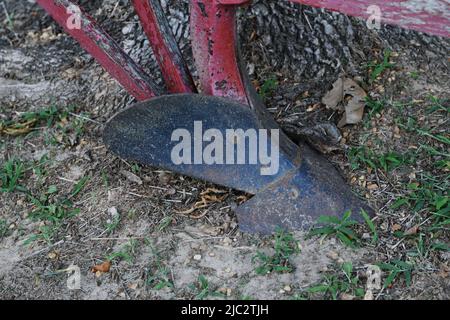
(307,20)
(121,239)
(45,249)
(85,118)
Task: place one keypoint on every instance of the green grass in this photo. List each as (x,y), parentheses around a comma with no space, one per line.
(437,105)
(105,178)
(53,210)
(67,127)
(360,157)
(371,226)
(268,87)
(374,107)
(159,276)
(126,253)
(10,174)
(28,120)
(202,289)
(333,285)
(379,68)
(113,224)
(427,199)
(411,125)
(395,269)
(340,228)
(4,230)
(39,168)
(164,223)
(414,75)
(285,246)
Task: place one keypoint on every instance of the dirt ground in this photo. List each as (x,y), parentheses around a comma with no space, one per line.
(77,204)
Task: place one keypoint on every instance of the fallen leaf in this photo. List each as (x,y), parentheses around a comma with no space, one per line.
(102,268)
(207,197)
(133,286)
(18,129)
(396,227)
(347,96)
(335,96)
(372,186)
(212,190)
(411,231)
(131,176)
(241,199)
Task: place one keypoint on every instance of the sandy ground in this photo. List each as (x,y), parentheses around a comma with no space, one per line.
(133,215)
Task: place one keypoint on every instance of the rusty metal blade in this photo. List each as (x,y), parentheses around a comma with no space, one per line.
(305,186)
(300,197)
(143,133)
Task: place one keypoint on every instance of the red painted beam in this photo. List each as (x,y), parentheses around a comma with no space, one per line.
(102,47)
(173,66)
(429,16)
(213,35)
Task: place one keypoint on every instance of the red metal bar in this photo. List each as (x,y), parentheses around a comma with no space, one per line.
(430,16)
(174,69)
(213,33)
(103,48)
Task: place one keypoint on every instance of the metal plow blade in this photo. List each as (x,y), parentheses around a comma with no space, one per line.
(303,187)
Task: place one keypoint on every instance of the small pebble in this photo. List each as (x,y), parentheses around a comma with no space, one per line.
(197,257)
(333,255)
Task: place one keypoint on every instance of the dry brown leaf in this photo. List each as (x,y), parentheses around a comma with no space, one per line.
(242,199)
(18,128)
(411,231)
(335,96)
(212,198)
(199,216)
(206,199)
(212,190)
(396,227)
(196,206)
(131,177)
(349,96)
(102,268)
(372,186)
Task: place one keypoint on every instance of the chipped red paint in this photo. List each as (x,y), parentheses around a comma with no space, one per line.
(430,16)
(104,49)
(213,33)
(213,29)
(174,69)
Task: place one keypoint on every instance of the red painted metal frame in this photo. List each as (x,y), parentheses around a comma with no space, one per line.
(104,49)
(213,35)
(425,16)
(213,30)
(221,71)
(173,66)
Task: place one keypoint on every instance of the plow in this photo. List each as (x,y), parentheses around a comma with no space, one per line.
(292,185)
